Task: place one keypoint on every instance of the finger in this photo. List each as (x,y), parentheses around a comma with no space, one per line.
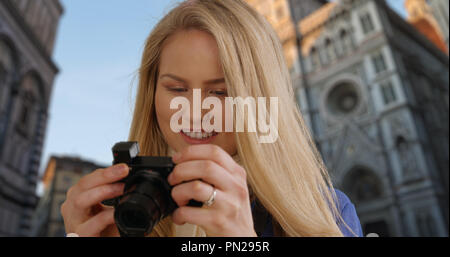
(207,152)
(196,190)
(198,216)
(103,176)
(95,195)
(110,231)
(205,170)
(95,225)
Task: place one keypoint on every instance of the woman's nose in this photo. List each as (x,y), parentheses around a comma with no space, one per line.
(197,112)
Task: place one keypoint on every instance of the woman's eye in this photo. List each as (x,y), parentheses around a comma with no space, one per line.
(219,92)
(178,89)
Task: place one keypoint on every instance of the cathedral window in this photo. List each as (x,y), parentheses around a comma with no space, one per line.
(346,42)
(25,112)
(329,50)
(366,22)
(343,99)
(379,63)
(315,58)
(388,93)
(24,115)
(27,105)
(407,158)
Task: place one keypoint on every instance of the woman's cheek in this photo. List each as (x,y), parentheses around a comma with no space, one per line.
(164,114)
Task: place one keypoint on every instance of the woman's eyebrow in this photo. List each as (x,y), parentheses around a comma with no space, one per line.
(215,81)
(208,82)
(174,78)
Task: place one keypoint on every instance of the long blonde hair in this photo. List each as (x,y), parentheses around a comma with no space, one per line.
(288,176)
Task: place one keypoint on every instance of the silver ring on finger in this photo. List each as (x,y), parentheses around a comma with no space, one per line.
(211,199)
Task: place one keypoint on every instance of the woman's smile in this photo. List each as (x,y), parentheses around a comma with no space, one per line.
(198,137)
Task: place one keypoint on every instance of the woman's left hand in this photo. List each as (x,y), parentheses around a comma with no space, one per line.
(204,168)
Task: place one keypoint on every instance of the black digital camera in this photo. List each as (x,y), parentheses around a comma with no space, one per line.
(147,194)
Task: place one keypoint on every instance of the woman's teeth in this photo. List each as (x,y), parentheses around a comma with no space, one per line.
(199,135)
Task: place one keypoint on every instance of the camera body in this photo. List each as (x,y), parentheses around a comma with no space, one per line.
(147,194)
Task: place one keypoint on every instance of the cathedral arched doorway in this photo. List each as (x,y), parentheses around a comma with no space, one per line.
(362,185)
(365,189)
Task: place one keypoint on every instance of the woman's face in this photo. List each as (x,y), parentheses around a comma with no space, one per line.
(190,60)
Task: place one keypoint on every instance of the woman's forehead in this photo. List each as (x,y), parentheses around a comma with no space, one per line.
(191,55)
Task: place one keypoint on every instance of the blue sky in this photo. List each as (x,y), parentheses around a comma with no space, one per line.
(98,50)
(398,6)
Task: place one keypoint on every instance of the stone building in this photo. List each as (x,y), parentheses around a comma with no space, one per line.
(27,35)
(374,91)
(61,173)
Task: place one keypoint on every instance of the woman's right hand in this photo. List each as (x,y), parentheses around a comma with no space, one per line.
(82,210)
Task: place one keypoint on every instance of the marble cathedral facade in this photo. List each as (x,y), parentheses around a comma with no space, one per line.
(374,92)
(27,35)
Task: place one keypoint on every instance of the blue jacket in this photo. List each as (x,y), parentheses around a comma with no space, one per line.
(348,213)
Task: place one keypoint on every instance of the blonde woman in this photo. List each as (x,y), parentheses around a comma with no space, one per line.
(226,49)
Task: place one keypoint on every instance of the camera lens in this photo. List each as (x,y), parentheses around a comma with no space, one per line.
(134,219)
(143,205)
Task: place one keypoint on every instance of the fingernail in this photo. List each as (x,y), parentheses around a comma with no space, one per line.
(120,169)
